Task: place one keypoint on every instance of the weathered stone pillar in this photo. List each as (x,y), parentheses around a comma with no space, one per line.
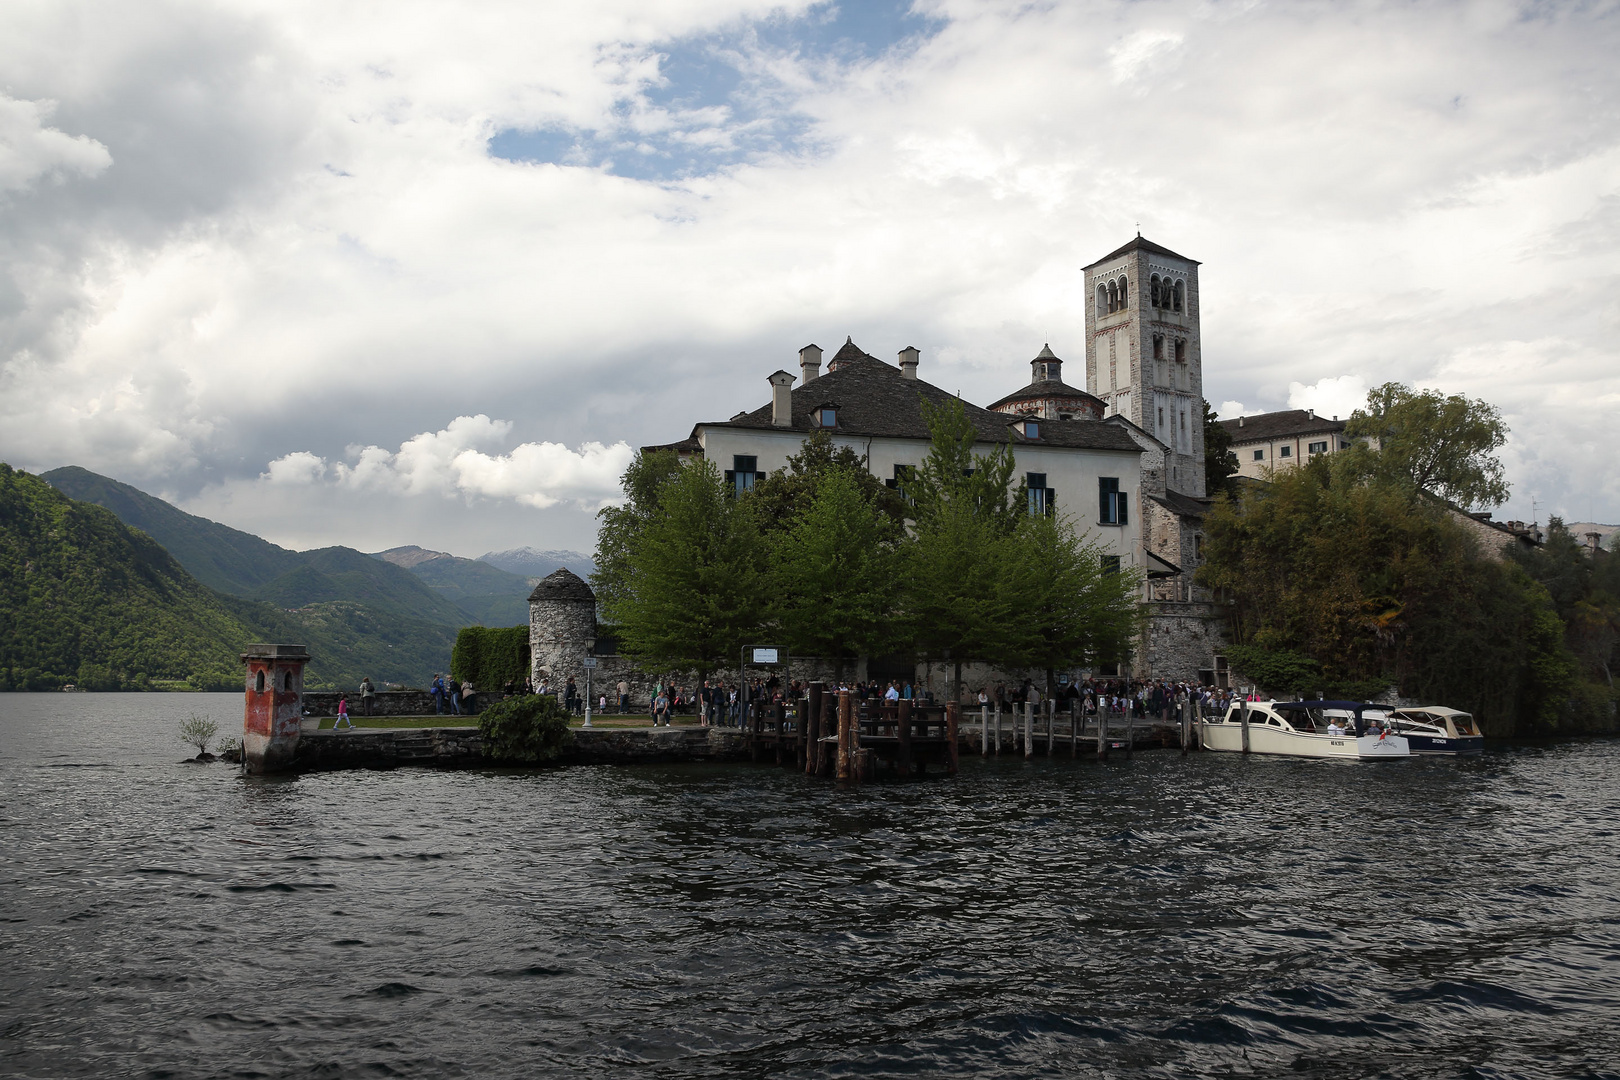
(274,706)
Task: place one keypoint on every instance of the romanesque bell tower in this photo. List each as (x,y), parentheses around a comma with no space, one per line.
(1142,351)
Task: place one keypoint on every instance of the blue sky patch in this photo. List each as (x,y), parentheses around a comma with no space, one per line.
(718,103)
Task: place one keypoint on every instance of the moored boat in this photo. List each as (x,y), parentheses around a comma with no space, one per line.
(1437,730)
(1303,729)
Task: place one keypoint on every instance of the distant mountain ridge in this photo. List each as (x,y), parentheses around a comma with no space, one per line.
(487,594)
(534,563)
(87,598)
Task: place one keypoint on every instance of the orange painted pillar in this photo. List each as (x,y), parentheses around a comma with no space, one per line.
(274,706)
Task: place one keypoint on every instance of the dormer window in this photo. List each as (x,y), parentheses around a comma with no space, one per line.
(827,417)
(1031,429)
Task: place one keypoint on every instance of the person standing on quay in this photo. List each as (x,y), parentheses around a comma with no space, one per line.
(367,693)
(467,692)
(343,713)
(436,691)
(624,696)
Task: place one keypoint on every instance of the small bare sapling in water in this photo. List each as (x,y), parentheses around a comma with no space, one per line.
(199,731)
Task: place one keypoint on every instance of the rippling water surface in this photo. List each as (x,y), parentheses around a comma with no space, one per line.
(1156,917)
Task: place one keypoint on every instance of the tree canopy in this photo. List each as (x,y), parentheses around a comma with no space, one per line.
(1220,463)
(1443,445)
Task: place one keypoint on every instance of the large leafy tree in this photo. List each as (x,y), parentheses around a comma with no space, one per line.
(783,496)
(622,525)
(1378,587)
(833,570)
(954,472)
(692,591)
(1067,607)
(1442,445)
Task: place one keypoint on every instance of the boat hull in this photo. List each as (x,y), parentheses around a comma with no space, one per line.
(1441,746)
(1266,739)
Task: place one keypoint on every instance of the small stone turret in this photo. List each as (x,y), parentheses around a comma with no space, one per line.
(562,618)
(274,705)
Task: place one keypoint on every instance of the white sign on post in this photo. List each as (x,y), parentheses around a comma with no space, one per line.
(765,656)
(590,661)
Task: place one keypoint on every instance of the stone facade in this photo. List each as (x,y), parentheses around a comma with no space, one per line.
(1144,353)
(562,620)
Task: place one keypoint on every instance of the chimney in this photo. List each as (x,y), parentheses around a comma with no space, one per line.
(1310,413)
(1240,421)
(782,399)
(809,364)
(908,362)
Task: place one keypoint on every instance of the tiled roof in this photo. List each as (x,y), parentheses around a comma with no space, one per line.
(1140,244)
(1279,425)
(1183,505)
(1048,388)
(875,399)
(688,445)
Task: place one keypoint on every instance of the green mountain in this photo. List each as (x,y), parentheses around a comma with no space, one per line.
(85,598)
(223,558)
(485,594)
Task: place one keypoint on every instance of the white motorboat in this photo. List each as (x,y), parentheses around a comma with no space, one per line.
(1302,729)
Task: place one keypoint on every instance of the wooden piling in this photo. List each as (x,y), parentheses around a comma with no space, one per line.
(903,731)
(846,721)
(1243,719)
(1074,727)
(1102,730)
(984,731)
(1051,714)
(951,762)
(810,726)
(1130,729)
(998,729)
(1029,729)
(1186,726)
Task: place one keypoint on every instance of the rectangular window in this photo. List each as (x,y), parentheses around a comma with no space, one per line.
(1040,496)
(827,418)
(1110,564)
(743,472)
(1259,455)
(1285,451)
(1343,445)
(1181,352)
(1318,447)
(1112,504)
(1158,347)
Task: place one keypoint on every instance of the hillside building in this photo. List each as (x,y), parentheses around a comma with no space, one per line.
(1281,440)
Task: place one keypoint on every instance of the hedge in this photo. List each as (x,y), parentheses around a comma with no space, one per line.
(490,656)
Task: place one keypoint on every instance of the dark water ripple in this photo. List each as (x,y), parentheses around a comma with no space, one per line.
(1145,918)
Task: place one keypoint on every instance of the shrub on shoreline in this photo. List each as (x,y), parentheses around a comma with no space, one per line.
(530,729)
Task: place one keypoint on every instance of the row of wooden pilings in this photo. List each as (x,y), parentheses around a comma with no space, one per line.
(833,733)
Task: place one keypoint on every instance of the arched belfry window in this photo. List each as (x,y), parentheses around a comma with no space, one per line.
(1153,290)
(1102,299)
(1113,296)
(1178,295)
(1124,292)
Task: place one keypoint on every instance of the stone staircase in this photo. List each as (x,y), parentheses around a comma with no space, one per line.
(414,746)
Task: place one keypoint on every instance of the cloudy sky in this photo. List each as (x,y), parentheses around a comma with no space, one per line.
(402,272)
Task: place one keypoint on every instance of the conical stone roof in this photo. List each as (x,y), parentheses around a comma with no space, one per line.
(563,584)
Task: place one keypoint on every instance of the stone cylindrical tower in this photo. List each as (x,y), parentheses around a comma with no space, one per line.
(562,617)
(274,706)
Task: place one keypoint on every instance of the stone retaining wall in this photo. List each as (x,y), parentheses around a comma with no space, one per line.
(462,748)
(385,703)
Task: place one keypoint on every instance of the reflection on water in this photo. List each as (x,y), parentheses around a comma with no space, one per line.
(1156,917)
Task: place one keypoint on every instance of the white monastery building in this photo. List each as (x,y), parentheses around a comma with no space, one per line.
(1123,458)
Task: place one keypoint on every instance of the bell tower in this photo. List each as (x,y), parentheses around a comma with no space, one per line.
(1143,355)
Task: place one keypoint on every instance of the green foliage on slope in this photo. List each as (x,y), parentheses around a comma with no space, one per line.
(86,599)
(482,593)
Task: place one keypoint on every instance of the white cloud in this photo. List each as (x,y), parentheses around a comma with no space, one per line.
(30,151)
(303,245)
(449,462)
(1229,410)
(1334,397)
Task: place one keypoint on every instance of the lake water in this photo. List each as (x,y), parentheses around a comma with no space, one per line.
(1156,917)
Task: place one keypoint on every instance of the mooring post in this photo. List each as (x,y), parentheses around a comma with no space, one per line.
(1186,725)
(1130,728)
(951,762)
(998,729)
(810,724)
(1074,727)
(1102,730)
(984,731)
(274,706)
(1029,728)
(846,765)
(1051,714)
(903,731)
(1243,719)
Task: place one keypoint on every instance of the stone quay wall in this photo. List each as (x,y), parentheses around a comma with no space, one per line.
(462,748)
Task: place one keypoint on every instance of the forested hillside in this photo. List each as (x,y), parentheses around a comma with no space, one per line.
(86,599)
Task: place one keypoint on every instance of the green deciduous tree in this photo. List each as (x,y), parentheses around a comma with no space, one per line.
(1066,607)
(833,583)
(953,474)
(691,590)
(1443,445)
(785,494)
(621,526)
(1376,586)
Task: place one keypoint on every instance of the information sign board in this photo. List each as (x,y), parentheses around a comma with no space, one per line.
(765,656)
(590,661)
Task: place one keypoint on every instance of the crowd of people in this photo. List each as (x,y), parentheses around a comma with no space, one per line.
(717,702)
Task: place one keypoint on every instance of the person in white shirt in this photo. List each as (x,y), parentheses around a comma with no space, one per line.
(892,693)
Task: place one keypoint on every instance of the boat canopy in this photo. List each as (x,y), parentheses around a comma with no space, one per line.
(1354,707)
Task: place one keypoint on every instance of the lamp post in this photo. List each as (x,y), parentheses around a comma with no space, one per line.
(590,668)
